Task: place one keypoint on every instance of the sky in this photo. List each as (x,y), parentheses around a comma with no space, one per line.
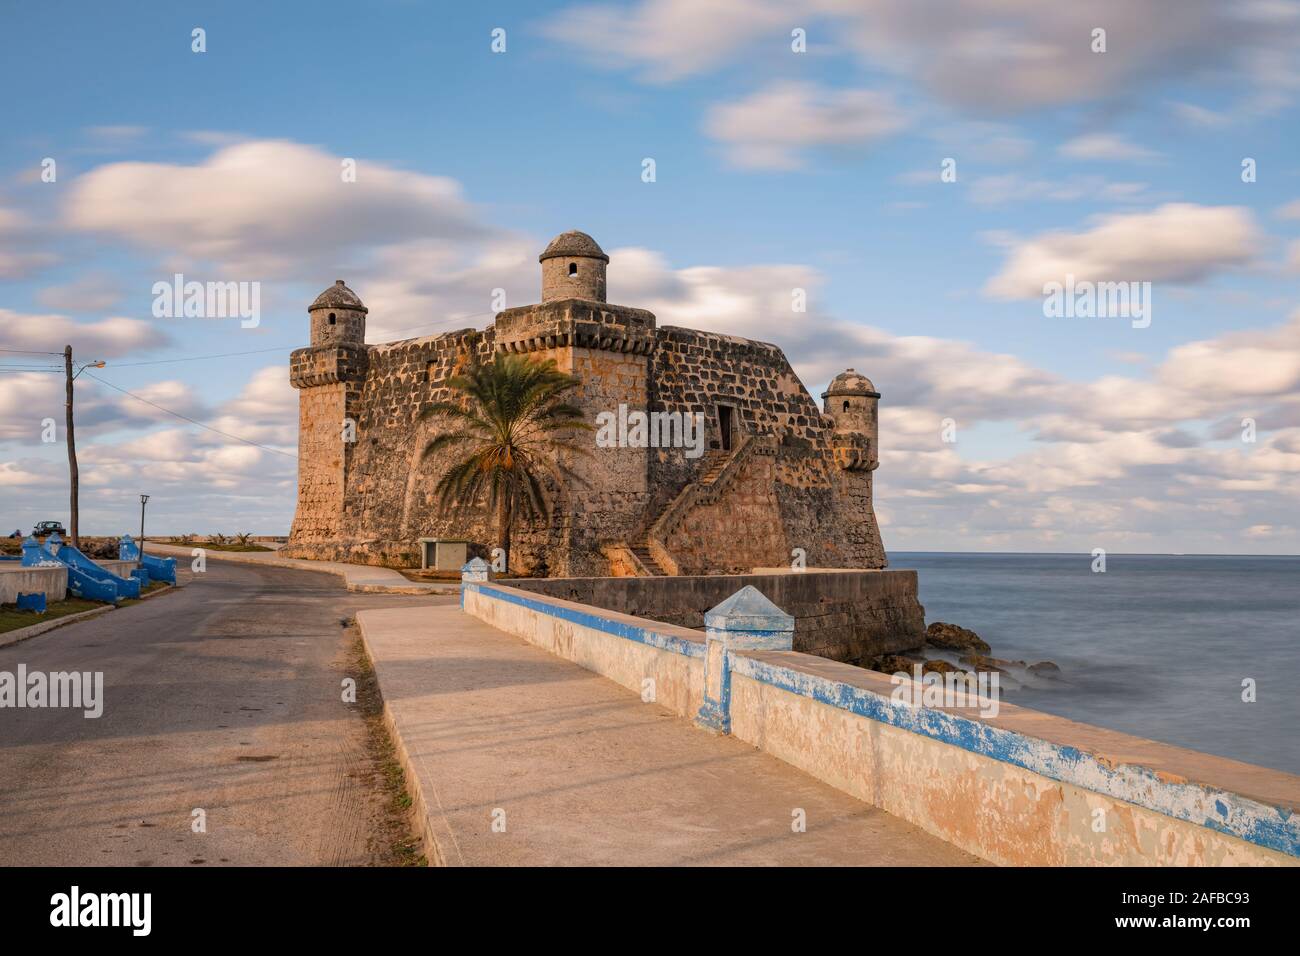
(921,170)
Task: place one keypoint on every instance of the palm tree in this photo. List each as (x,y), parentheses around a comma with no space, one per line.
(507,426)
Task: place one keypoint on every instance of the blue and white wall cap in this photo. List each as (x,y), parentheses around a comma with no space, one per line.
(748,610)
(475,564)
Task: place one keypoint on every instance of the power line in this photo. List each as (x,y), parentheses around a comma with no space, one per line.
(199,358)
(192,421)
(291,348)
(460,318)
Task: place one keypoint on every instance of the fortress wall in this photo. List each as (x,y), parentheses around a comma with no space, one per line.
(369,501)
(839,615)
(391,497)
(321,411)
(388,481)
(609,500)
(820,509)
(371,523)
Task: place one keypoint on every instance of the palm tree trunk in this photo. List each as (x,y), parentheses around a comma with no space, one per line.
(503,529)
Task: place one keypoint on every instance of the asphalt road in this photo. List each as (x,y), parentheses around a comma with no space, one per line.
(224,696)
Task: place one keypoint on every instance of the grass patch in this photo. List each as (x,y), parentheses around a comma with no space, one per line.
(401,845)
(428,577)
(225,547)
(11,619)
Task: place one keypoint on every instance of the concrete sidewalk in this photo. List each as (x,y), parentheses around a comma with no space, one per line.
(576,770)
(356,577)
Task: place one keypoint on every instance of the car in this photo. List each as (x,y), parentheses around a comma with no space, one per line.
(47,528)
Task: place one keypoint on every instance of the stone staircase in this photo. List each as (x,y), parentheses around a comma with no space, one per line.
(642,551)
(719,468)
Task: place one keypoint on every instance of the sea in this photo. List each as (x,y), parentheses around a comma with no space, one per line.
(1162,646)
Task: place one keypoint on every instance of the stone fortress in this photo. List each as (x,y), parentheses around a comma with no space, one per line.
(778,473)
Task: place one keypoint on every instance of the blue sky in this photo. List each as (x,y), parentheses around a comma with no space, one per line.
(774,169)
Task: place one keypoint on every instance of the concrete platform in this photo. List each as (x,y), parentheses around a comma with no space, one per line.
(576,770)
(16,579)
(356,577)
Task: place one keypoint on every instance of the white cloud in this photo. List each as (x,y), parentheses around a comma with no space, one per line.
(198,480)
(28,399)
(1195,115)
(267,208)
(997,190)
(89,340)
(18,235)
(772,127)
(1238,365)
(1177,242)
(92,292)
(16,265)
(984,56)
(1105,146)
(425,287)
(666,39)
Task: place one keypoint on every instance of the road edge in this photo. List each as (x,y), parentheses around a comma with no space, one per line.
(433,829)
(36,630)
(301,564)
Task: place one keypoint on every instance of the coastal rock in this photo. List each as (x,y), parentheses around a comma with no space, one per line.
(941,667)
(892,664)
(954,638)
(1044,669)
(981,663)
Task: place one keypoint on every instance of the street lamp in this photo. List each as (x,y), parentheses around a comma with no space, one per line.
(140,548)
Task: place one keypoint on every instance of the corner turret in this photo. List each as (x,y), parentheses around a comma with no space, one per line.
(338,317)
(852,403)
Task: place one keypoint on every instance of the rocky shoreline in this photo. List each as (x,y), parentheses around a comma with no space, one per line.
(949,648)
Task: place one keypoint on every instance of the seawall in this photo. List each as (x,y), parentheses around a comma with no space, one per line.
(839,615)
(1021,788)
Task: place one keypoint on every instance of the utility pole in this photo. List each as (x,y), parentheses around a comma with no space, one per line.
(73,531)
(72,451)
(143,499)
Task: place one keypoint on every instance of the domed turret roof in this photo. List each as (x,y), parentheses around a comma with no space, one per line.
(338,296)
(573,243)
(851,383)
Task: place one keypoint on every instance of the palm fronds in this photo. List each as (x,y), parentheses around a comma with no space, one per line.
(507,430)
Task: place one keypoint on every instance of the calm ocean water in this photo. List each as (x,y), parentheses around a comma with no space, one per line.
(1157,646)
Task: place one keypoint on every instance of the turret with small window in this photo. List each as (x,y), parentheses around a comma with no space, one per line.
(852,403)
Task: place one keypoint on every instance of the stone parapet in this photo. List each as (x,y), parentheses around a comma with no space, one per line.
(575,323)
(311,367)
